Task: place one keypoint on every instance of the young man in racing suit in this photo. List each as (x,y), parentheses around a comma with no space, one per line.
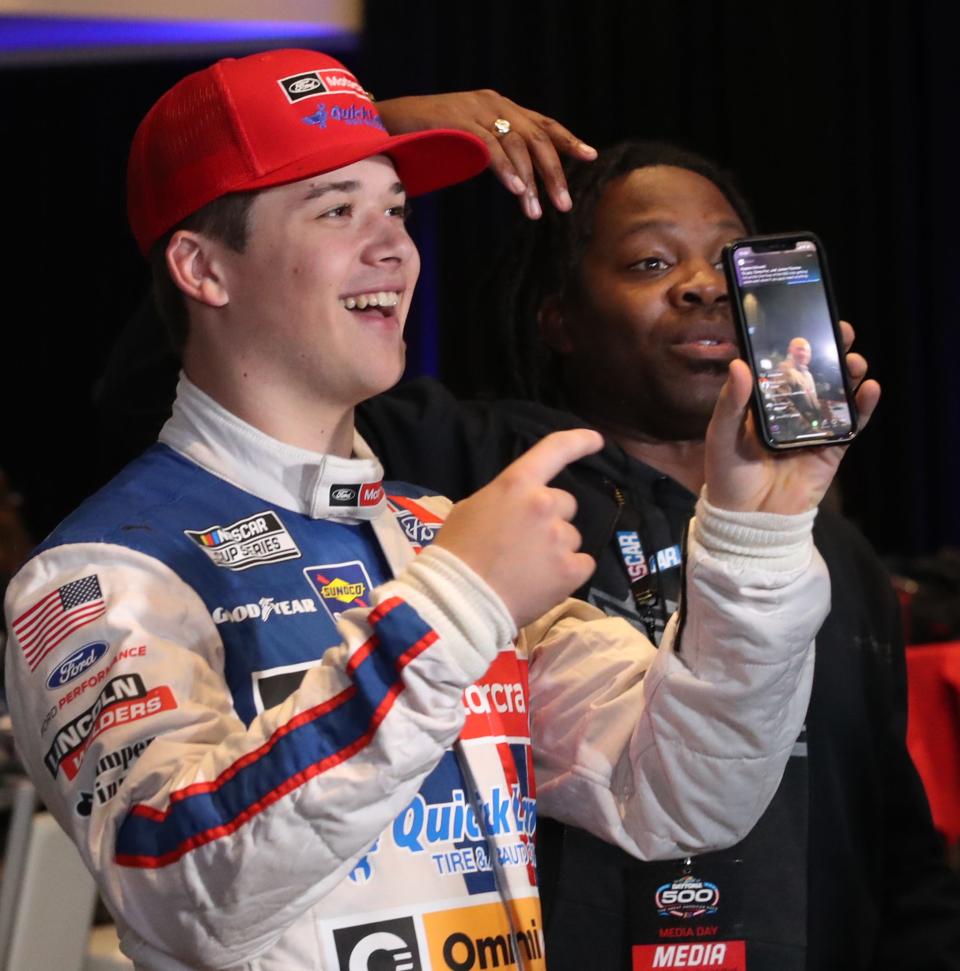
(279,737)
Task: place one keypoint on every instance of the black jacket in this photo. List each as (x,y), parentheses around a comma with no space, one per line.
(844,871)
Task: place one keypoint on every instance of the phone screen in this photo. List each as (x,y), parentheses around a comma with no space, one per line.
(792,342)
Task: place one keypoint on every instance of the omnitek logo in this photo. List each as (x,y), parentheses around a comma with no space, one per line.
(477,938)
(386,944)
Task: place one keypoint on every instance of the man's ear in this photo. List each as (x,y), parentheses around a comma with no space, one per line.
(195,269)
(554,325)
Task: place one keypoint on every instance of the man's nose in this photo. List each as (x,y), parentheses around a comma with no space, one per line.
(704,286)
(388,241)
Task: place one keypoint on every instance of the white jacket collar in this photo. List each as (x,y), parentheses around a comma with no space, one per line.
(316,485)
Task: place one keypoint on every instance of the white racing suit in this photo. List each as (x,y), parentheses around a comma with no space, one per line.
(281,740)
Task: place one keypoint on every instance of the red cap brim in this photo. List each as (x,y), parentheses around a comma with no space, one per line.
(425,161)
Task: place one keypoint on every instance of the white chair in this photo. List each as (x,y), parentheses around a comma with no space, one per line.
(48,897)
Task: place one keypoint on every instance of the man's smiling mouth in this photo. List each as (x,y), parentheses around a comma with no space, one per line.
(378,299)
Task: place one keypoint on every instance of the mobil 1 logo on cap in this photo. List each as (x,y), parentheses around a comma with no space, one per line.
(300,86)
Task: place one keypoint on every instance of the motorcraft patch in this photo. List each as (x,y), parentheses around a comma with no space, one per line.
(356,494)
(311,84)
(257,540)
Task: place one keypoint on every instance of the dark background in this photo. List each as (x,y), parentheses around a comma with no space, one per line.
(835,117)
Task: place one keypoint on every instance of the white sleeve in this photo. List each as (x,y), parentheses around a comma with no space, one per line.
(679,750)
(222,835)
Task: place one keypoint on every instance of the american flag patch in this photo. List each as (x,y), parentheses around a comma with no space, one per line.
(49,621)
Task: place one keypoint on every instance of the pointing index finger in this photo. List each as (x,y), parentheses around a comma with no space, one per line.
(553,453)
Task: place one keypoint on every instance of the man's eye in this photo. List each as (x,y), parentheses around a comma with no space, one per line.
(650,264)
(336,212)
(403,210)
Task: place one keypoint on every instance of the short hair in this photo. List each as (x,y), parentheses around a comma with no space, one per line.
(225,219)
(543,259)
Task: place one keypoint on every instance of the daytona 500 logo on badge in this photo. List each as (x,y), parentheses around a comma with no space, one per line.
(687,897)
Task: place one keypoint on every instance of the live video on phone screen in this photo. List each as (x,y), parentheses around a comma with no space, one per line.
(792,339)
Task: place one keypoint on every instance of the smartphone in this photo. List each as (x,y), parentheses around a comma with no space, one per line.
(790,336)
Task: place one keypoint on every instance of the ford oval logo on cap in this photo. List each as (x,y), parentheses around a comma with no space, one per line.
(78,662)
(305,84)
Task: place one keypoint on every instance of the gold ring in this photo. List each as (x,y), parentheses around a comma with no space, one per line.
(501,127)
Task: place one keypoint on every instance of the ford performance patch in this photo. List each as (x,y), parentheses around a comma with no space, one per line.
(78,662)
(254,541)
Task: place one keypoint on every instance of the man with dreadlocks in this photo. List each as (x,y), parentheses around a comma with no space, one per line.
(617,314)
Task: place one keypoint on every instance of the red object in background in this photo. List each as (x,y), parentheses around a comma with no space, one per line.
(933,729)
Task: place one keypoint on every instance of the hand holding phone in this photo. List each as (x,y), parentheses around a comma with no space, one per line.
(790,337)
(787,322)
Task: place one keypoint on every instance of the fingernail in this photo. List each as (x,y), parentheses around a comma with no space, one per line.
(587,150)
(517,185)
(533,207)
(564,201)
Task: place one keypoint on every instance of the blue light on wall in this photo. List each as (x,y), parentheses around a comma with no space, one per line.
(32,39)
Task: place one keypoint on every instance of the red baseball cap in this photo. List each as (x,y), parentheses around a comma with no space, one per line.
(267,119)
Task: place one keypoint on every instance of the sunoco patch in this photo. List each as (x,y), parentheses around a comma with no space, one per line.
(340,586)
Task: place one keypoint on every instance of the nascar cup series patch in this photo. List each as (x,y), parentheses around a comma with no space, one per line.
(253,541)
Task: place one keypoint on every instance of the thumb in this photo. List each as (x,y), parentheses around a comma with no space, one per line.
(553,453)
(727,420)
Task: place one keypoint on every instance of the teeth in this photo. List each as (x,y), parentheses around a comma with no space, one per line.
(708,343)
(381,298)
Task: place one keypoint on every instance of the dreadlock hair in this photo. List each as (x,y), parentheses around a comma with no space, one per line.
(543,258)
